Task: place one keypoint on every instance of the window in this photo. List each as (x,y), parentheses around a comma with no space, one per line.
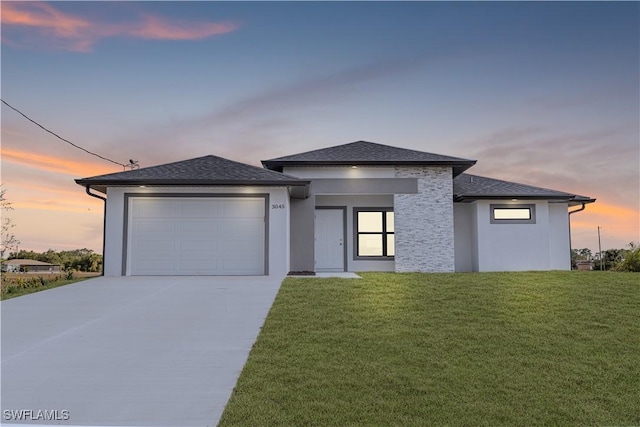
(374,233)
(513,214)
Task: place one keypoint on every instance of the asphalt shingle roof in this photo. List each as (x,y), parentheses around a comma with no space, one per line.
(207,170)
(363,153)
(466,186)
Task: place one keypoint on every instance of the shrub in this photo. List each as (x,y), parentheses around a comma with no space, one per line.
(12,285)
(631,261)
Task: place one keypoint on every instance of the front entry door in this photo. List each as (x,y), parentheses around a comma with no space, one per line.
(329,246)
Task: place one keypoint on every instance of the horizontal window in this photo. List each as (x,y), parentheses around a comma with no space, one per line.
(513,214)
(374,233)
(508,213)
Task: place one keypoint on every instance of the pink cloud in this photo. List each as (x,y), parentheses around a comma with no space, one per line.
(55,164)
(41,23)
(158,28)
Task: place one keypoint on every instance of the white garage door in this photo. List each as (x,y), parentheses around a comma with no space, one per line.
(196,236)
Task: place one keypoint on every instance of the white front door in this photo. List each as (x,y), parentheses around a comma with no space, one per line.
(329,238)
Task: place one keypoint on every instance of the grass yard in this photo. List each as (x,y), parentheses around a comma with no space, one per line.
(539,348)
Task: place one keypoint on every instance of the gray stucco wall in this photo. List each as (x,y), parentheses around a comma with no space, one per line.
(424,221)
(559,249)
(364,186)
(303,212)
(350,202)
(302,234)
(463,236)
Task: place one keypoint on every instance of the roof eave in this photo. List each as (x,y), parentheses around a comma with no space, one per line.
(580,201)
(569,198)
(101,185)
(458,166)
(269,163)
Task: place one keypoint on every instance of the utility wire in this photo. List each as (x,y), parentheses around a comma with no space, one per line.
(61,138)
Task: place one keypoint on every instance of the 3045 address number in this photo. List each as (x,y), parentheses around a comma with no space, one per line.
(277,206)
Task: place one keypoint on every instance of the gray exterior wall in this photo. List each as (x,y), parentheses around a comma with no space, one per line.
(424,221)
(364,186)
(475,263)
(464,238)
(302,234)
(363,201)
(559,239)
(303,215)
(543,245)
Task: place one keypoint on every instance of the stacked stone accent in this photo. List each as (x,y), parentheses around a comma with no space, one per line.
(424,221)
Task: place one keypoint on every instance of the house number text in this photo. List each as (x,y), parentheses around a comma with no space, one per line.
(277,206)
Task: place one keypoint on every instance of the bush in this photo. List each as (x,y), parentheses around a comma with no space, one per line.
(14,284)
(631,261)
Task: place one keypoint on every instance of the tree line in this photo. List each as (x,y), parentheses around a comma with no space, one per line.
(611,259)
(76,259)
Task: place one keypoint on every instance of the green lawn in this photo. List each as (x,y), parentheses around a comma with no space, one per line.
(558,348)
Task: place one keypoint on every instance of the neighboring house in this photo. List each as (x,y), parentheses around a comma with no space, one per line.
(355,207)
(29,266)
(584,265)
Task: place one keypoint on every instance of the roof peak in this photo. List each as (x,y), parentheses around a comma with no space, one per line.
(204,170)
(367,153)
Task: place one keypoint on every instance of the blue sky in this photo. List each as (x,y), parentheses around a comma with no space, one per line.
(540,93)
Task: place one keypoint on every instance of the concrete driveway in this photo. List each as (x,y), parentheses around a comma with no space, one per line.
(152,351)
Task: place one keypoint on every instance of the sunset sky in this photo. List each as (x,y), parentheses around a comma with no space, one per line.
(545,94)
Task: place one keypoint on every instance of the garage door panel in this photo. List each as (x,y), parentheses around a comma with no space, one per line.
(238,249)
(155,246)
(148,225)
(201,209)
(158,265)
(212,248)
(218,236)
(195,265)
(244,209)
(238,228)
(148,208)
(200,226)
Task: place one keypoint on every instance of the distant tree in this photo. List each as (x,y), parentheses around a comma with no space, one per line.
(612,257)
(50,256)
(8,240)
(95,262)
(608,259)
(22,254)
(583,254)
(631,259)
(75,259)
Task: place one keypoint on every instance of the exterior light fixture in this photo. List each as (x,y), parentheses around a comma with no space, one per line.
(354,167)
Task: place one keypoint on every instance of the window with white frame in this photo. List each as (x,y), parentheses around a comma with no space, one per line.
(513,214)
(374,233)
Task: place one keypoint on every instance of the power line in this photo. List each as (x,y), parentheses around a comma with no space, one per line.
(63,139)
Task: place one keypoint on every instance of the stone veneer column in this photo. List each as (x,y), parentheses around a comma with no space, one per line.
(424,221)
